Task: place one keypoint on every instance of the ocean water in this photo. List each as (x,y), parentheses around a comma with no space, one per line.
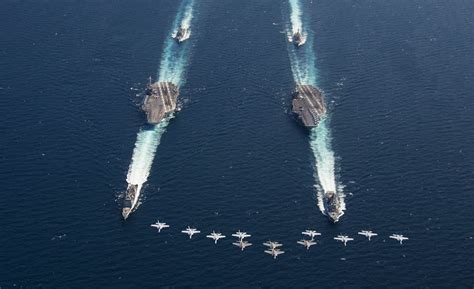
(398,78)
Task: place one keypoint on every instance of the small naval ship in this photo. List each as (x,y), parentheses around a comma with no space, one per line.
(308,104)
(160,101)
(332,206)
(130,200)
(182,34)
(298,39)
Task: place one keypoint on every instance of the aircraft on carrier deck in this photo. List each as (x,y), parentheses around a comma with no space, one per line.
(241,235)
(306,243)
(215,236)
(190,231)
(368,234)
(272,245)
(274,252)
(181,34)
(398,237)
(242,244)
(159,226)
(343,239)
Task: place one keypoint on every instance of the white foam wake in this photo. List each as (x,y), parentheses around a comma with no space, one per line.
(303,66)
(174,61)
(175,57)
(320,140)
(295,16)
(144,153)
(188,16)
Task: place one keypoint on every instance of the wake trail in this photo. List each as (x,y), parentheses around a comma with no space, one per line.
(295,16)
(144,152)
(173,64)
(303,66)
(175,58)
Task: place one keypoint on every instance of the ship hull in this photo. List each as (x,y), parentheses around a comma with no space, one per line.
(130,200)
(332,206)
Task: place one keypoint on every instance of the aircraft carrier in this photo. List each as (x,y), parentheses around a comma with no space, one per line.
(130,200)
(160,101)
(308,104)
(332,206)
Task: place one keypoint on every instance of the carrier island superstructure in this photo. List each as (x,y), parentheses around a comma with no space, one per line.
(160,101)
(308,103)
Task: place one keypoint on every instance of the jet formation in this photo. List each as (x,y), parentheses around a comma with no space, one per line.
(241,243)
(273,248)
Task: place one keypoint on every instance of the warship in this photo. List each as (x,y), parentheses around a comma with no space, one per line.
(332,206)
(160,101)
(130,200)
(298,39)
(182,34)
(308,104)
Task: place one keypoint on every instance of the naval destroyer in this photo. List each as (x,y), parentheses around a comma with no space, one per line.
(332,206)
(130,201)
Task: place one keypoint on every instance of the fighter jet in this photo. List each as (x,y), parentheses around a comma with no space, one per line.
(306,243)
(343,239)
(159,226)
(215,236)
(311,233)
(272,245)
(274,252)
(368,234)
(399,238)
(242,244)
(190,231)
(241,235)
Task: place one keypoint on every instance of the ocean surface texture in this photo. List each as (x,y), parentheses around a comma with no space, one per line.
(397,143)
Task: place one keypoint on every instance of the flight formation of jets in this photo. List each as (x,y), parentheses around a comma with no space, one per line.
(273,248)
(241,243)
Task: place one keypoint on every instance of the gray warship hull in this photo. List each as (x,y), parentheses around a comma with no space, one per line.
(332,206)
(130,200)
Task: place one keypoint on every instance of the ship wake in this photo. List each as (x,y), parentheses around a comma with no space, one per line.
(175,57)
(174,61)
(303,66)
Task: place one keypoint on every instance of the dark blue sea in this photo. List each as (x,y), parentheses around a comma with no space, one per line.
(397,143)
